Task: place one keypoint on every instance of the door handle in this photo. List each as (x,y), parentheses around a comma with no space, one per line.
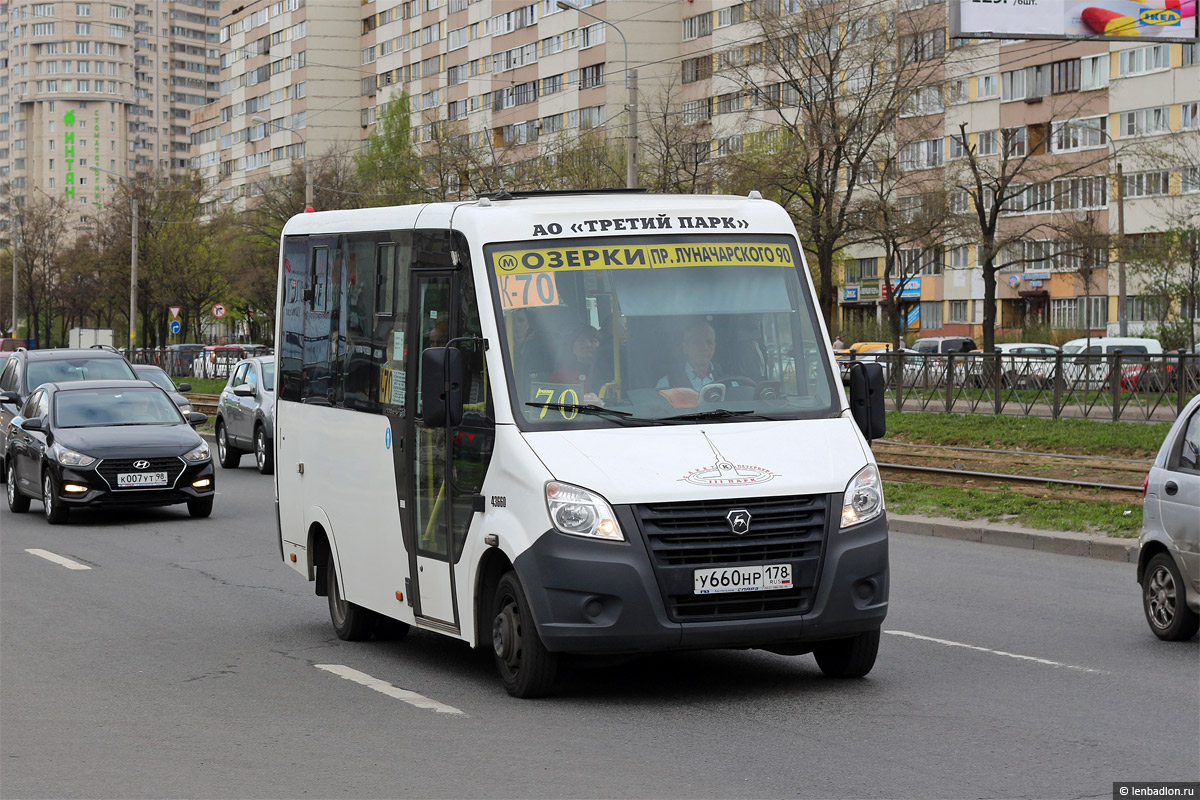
(1171,488)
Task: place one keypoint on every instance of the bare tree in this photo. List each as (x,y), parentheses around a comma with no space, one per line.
(1006,181)
(830,79)
(39,263)
(674,146)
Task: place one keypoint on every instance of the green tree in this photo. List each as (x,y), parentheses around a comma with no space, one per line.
(387,169)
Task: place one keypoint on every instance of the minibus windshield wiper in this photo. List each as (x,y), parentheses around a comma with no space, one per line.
(587,408)
(716,413)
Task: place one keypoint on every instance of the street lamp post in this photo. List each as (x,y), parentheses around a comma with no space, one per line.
(631,85)
(308,187)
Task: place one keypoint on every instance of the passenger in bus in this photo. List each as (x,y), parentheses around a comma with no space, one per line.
(698,368)
(578,362)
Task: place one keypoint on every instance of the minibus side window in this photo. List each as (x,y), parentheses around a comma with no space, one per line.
(290,348)
(393,254)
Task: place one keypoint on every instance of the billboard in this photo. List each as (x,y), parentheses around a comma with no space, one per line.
(1132,20)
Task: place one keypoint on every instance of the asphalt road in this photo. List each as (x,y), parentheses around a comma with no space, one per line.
(183,664)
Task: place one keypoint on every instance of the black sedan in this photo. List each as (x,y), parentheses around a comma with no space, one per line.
(97,443)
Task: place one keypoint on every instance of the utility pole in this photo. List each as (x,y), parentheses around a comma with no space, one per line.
(133,272)
(631,137)
(16,243)
(1122,314)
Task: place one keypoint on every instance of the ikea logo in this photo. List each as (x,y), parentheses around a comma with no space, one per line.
(1159,16)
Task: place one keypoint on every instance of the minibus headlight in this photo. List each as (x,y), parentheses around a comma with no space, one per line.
(581,513)
(863,499)
(70,458)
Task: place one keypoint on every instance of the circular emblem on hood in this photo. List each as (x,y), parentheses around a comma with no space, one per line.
(141,464)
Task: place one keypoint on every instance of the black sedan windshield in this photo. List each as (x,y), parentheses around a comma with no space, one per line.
(89,408)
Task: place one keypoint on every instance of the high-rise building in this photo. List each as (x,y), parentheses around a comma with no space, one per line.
(492,77)
(95,91)
(509,84)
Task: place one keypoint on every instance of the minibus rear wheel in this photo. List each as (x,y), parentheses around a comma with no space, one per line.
(526,667)
(848,658)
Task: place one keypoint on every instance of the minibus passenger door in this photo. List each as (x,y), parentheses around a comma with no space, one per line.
(429,542)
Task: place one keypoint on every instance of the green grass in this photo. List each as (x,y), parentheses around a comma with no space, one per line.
(1070,436)
(202,385)
(1113,519)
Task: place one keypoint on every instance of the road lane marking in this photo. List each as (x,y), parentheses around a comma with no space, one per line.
(1018,656)
(383,687)
(57,559)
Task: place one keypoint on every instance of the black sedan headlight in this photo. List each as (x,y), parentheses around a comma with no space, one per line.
(199,454)
(69,458)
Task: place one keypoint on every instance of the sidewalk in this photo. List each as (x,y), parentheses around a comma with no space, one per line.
(1065,543)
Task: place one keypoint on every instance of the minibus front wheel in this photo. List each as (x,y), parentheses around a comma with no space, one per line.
(352,623)
(526,667)
(848,658)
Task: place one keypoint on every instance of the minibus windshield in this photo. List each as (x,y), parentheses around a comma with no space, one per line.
(624,331)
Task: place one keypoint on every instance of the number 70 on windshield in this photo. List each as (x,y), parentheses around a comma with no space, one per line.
(526,290)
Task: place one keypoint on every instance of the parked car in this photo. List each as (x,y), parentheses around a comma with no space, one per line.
(156,375)
(1092,362)
(217,360)
(25,370)
(177,359)
(99,443)
(1169,560)
(944,344)
(887,358)
(246,414)
(1022,365)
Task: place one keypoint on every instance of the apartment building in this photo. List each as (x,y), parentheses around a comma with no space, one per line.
(1078,109)
(95,91)
(289,92)
(513,82)
(517,80)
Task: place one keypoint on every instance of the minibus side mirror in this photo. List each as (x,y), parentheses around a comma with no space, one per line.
(866,399)
(441,386)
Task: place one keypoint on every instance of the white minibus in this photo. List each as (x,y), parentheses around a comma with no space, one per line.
(575,423)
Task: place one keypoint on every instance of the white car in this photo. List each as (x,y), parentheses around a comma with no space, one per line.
(1023,365)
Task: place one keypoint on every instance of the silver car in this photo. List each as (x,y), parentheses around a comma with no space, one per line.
(246,414)
(1169,562)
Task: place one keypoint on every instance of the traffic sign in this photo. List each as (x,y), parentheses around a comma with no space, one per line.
(176,326)
(218,311)
(175,311)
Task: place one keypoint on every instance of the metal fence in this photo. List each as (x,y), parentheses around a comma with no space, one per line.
(1129,388)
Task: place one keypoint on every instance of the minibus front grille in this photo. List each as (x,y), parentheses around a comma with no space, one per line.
(684,537)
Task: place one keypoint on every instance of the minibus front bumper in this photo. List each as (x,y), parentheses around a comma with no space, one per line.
(591,596)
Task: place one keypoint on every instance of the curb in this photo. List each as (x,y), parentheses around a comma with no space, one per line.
(1087,545)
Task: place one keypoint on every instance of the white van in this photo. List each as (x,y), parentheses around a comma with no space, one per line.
(582,423)
(1128,345)
(1087,363)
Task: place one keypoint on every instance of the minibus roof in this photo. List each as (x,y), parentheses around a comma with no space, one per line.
(548,216)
